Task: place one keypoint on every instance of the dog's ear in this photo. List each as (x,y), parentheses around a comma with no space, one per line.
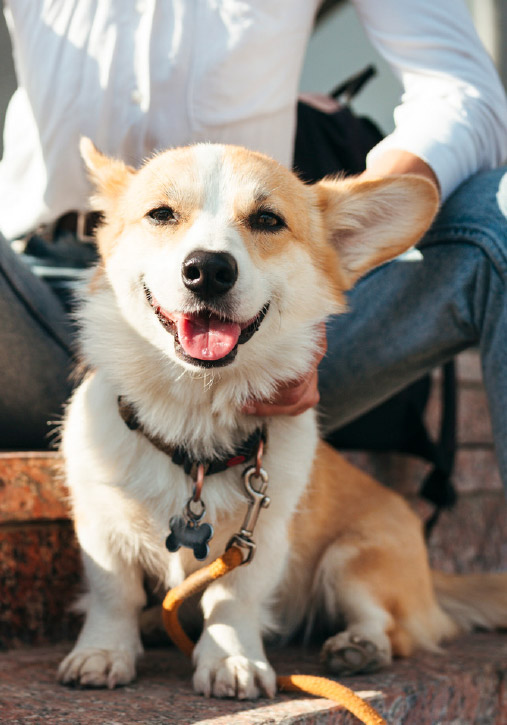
(371,222)
(110,176)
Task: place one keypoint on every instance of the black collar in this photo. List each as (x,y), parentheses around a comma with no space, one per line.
(181,457)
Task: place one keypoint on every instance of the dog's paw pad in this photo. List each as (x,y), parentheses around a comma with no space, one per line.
(97,668)
(235,676)
(347,654)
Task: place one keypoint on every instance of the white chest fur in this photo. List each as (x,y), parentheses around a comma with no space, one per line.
(118,479)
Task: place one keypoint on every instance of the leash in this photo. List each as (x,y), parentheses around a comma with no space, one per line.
(230,560)
(319,686)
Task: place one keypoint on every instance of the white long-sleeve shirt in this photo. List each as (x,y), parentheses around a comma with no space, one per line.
(142,76)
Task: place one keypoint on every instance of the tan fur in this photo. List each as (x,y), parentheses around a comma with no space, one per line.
(97,280)
(366,208)
(333,544)
(344,505)
(477,600)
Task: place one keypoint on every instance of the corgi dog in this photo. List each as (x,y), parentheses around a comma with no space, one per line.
(217,267)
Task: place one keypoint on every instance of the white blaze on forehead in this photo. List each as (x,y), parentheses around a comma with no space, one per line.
(219,180)
(209,165)
(215,227)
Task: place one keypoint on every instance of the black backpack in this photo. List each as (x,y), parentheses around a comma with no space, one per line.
(338,141)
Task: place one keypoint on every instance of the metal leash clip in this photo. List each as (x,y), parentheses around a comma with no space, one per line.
(257,500)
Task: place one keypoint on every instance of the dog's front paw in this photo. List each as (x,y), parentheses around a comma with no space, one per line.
(235,676)
(93,667)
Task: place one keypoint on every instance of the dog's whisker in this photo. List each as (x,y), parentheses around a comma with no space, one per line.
(181,375)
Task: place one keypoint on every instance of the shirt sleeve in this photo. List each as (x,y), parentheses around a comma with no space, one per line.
(453,111)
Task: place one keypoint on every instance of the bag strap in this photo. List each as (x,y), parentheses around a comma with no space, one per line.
(437,487)
(345,92)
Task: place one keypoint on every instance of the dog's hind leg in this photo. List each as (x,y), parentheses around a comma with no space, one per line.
(367,549)
(364,646)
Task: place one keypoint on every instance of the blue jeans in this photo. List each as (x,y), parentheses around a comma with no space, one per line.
(405,318)
(409,316)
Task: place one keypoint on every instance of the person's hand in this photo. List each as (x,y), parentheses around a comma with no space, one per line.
(296,396)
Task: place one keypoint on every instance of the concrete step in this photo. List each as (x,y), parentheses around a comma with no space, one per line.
(466,685)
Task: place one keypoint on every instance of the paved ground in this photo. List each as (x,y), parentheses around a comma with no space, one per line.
(464,686)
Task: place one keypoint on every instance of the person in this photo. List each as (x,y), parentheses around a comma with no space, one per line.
(139,78)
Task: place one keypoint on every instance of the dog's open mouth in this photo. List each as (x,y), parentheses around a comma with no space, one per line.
(205,338)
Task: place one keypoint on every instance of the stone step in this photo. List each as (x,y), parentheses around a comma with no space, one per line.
(463,686)
(39,559)
(40,564)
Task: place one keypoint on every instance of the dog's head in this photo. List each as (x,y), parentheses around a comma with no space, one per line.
(217,254)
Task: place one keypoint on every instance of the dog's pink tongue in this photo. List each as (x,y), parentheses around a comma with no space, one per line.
(207,338)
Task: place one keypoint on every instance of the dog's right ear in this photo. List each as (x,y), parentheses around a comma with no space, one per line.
(110,176)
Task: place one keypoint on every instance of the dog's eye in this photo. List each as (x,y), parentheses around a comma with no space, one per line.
(266,221)
(162,215)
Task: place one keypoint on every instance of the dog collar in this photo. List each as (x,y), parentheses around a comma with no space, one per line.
(181,457)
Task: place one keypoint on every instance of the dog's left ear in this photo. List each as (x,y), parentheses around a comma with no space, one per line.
(110,176)
(371,222)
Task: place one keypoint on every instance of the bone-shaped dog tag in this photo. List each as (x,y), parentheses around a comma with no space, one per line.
(188,532)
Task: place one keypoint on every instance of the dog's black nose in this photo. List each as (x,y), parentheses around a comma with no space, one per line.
(209,274)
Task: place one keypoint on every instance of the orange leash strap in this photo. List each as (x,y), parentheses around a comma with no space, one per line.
(319,686)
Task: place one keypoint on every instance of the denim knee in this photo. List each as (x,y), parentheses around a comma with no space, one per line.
(476,214)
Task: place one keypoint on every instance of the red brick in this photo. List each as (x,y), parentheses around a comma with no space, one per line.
(473,419)
(402,473)
(477,470)
(472,537)
(474,422)
(468,366)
